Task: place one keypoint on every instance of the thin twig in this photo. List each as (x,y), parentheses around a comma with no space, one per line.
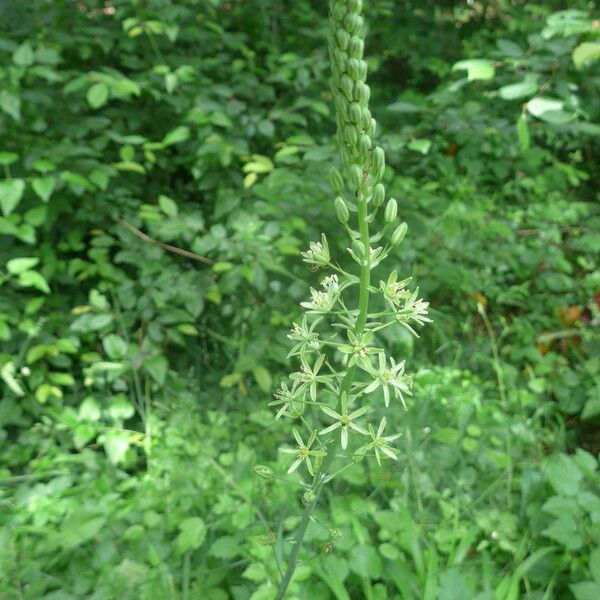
(146,238)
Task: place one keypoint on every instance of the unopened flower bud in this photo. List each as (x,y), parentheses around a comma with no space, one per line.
(378,195)
(359,249)
(356,176)
(391,210)
(362,70)
(335,178)
(341,210)
(355,6)
(399,234)
(339,11)
(355,113)
(351,134)
(378,159)
(343,38)
(352,67)
(347,86)
(355,47)
(353,23)
(362,93)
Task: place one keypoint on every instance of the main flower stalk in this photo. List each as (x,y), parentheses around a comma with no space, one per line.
(342,370)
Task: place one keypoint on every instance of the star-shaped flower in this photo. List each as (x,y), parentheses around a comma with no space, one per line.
(389,377)
(379,443)
(303,452)
(344,421)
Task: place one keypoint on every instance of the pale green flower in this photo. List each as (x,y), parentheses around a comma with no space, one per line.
(391,377)
(379,443)
(303,452)
(308,377)
(344,421)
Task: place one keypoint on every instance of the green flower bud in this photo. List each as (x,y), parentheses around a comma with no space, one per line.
(351,134)
(362,93)
(352,67)
(264,471)
(355,6)
(346,155)
(378,195)
(335,178)
(399,234)
(356,176)
(359,249)
(378,159)
(339,11)
(340,58)
(353,23)
(364,145)
(341,210)
(343,38)
(365,120)
(355,113)
(356,47)
(347,85)
(391,210)
(372,128)
(362,70)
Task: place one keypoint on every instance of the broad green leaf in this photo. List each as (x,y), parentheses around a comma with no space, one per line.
(18,265)
(167,205)
(157,368)
(120,408)
(8,158)
(477,68)
(43,187)
(549,110)
(514,91)
(585,54)
(115,444)
(114,346)
(586,590)
(595,564)
(192,532)
(263,378)
(420,145)
(563,475)
(23,55)
(10,104)
(564,530)
(177,135)
(89,409)
(97,95)
(91,322)
(35,280)
(11,192)
(365,561)
(77,530)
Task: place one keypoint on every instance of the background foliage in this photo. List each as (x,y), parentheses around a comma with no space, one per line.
(138,454)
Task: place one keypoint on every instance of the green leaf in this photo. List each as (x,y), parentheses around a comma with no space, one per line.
(114,346)
(523,133)
(192,532)
(477,68)
(595,564)
(157,367)
(177,135)
(18,265)
(35,280)
(91,322)
(564,531)
(43,187)
(77,530)
(97,95)
(10,104)
(121,408)
(549,110)
(263,378)
(167,205)
(586,590)
(8,158)
(515,91)
(89,409)
(11,192)
(420,145)
(563,475)
(115,444)
(585,54)
(365,561)
(23,55)
(225,548)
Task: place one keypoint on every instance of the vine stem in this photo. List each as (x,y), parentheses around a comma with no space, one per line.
(323,476)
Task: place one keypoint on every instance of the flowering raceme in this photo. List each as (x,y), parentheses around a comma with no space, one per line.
(344,367)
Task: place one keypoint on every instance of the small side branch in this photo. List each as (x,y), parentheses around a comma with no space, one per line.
(168,247)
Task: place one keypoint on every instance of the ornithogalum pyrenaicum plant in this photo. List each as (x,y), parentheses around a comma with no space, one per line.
(345,375)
